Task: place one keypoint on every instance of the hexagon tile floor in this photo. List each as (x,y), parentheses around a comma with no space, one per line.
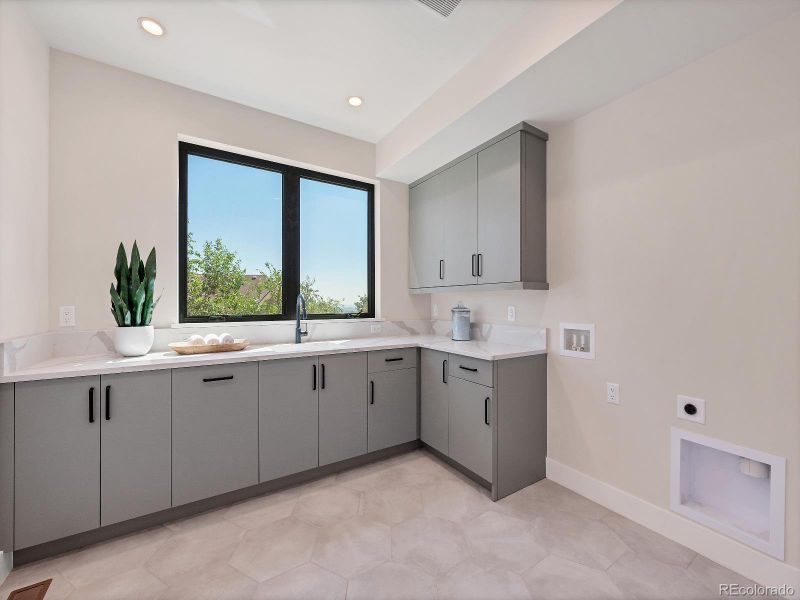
(405,528)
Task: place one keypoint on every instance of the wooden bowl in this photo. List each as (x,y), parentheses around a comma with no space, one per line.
(187,348)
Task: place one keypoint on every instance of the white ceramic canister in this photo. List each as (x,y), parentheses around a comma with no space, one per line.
(461,323)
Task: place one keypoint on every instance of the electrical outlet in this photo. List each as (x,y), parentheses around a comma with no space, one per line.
(375,328)
(512,313)
(66,316)
(434,310)
(692,409)
(612,393)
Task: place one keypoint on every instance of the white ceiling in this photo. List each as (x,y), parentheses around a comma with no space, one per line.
(296,58)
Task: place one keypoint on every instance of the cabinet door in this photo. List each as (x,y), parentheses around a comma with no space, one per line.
(56,459)
(135,434)
(460,183)
(470,426)
(342,406)
(288,416)
(392,418)
(426,233)
(214,430)
(499,224)
(434,409)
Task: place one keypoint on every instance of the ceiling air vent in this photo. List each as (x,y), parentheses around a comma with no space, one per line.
(443,7)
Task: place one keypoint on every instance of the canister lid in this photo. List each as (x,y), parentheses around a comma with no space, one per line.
(459,308)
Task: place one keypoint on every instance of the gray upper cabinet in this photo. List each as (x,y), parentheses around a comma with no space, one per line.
(460,183)
(471,426)
(136,459)
(434,403)
(392,418)
(342,407)
(288,416)
(491,207)
(214,430)
(427,219)
(56,459)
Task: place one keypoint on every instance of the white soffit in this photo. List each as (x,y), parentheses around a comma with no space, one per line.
(631,44)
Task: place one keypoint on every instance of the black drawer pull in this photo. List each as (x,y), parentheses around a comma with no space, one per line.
(91,405)
(322,366)
(222,378)
(393,359)
(314,377)
(108,403)
(486,411)
(372,392)
(444,371)
(467,368)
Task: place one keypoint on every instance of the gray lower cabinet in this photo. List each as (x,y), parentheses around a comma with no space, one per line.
(214,430)
(392,418)
(288,416)
(135,434)
(7,467)
(434,400)
(342,406)
(471,426)
(56,459)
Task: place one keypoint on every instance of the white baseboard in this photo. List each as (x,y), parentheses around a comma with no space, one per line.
(729,553)
(6,562)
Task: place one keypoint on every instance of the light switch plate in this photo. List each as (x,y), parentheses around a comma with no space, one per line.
(687,413)
(434,310)
(512,313)
(375,328)
(612,393)
(66,316)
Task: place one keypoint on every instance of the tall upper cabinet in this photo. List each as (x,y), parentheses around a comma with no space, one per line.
(480,219)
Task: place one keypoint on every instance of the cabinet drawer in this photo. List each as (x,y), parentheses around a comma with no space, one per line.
(471,369)
(391,360)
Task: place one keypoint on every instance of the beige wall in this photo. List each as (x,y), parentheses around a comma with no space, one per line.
(114,166)
(24,119)
(674,226)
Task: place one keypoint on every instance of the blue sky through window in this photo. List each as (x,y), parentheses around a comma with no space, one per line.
(242,205)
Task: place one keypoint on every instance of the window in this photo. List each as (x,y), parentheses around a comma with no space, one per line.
(254,233)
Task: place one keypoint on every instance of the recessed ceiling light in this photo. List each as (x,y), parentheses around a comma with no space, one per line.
(355,100)
(151,26)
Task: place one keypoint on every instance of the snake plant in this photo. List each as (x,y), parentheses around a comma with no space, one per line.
(132,301)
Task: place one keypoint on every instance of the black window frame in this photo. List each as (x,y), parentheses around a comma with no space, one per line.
(290,259)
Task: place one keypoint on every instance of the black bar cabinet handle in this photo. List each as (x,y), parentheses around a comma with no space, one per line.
(91,405)
(473,264)
(467,368)
(323,375)
(314,376)
(108,403)
(486,411)
(393,359)
(444,371)
(371,392)
(441,269)
(480,265)
(222,378)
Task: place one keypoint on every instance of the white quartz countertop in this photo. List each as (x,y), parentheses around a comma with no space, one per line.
(99,364)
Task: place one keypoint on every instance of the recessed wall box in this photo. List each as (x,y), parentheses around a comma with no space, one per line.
(577,340)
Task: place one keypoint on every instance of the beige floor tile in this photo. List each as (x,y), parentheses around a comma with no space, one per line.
(85,566)
(503,541)
(580,539)
(353,546)
(454,500)
(212,520)
(712,575)
(263,510)
(646,542)
(565,500)
(557,578)
(214,582)
(328,505)
(650,579)
(136,584)
(435,545)
(392,505)
(194,547)
(27,575)
(306,582)
(392,581)
(472,581)
(275,548)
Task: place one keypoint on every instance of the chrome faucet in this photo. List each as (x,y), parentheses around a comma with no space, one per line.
(300,309)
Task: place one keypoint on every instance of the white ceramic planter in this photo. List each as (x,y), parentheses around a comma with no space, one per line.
(133,341)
